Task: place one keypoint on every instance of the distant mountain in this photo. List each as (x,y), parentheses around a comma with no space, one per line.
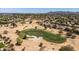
(55,12)
(63,12)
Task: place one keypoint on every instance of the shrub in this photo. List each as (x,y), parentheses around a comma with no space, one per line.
(5,32)
(22,35)
(17,32)
(2,45)
(19,41)
(41,44)
(66,48)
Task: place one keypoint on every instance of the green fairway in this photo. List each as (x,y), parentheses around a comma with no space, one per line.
(41,33)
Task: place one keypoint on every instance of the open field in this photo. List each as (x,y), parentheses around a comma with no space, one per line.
(39,32)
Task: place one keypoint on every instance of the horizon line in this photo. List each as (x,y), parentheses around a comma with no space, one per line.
(37,10)
(41,12)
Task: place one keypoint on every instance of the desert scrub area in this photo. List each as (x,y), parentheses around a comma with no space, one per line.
(46,31)
(41,33)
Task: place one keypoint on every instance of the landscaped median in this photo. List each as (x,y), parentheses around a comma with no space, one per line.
(48,36)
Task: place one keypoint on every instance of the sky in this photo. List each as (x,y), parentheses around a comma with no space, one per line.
(36,10)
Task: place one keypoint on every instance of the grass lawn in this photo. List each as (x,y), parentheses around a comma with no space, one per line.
(41,33)
(2,45)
